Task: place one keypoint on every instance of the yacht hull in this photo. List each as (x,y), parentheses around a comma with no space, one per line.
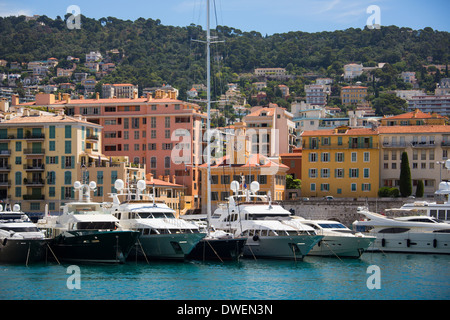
(412,243)
(22,250)
(94,246)
(218,249)
(280,247)
(343,247)
(166,246)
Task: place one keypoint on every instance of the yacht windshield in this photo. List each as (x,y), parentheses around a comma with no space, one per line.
(20,229)
(156,215)
(332,226)
(261,216)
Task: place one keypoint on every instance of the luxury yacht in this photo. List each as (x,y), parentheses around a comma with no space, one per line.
(266,225)
(338,241)
(217,245)
(414,234)
(162,235)
(20,239)
(84,232)
(439,209)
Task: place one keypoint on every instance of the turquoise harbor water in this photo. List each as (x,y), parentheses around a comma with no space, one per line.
(402,277)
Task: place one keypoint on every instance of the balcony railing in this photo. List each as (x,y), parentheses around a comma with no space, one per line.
(6,153)
(5,182)
(372,145)
(36,136)
(5,167)
(33,182)
(32,151)
(92,137)
(394,145)
(423,144)
(28,167)
(33,197)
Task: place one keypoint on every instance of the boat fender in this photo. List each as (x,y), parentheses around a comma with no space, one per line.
(435,243)
(4,241)
(319,243)
(383,242)
(408,243)
(255,238)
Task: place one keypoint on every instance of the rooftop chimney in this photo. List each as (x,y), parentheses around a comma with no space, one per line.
(14,100)
(97,96)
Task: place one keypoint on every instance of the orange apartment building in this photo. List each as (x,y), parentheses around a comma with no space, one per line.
(162,132)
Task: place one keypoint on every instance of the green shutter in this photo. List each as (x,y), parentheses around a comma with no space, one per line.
(62,193)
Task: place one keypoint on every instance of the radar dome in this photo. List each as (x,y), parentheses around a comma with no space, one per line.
(141,185)
(234,186)
(119,184)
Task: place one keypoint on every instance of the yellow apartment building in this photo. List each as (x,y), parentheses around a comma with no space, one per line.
(42,155)
(414,118)
(353,95)
(341,162)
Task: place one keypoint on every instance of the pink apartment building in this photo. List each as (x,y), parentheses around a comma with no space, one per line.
(163,133)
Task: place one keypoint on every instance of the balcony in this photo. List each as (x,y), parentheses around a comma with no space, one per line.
(445,144)
(92,137)
(5,167)
(31,136)
(5,183)
(372,145)
(34,182)
(423,144)
(33,197)
(394,144)
(32,151)
(28,167)
(5,153)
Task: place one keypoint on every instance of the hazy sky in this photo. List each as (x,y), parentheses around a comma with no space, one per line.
(267,17)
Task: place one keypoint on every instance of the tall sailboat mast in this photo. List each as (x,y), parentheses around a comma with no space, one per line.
(208,121)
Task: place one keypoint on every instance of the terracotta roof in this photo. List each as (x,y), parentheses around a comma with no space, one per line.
(255,159)
(416,114)
(257,113)
(107,101)
(46,119)
(333,132)
(354,87)
(414,129)
(162,183)
(291,155)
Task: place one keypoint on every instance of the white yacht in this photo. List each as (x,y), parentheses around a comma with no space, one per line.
(437,209)
(162,236)
(84,232)
(338,241)
(20,239)
(268,227)
(413,234)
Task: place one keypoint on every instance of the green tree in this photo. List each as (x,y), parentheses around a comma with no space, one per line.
(292,183)
(405,176)
(419,189)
